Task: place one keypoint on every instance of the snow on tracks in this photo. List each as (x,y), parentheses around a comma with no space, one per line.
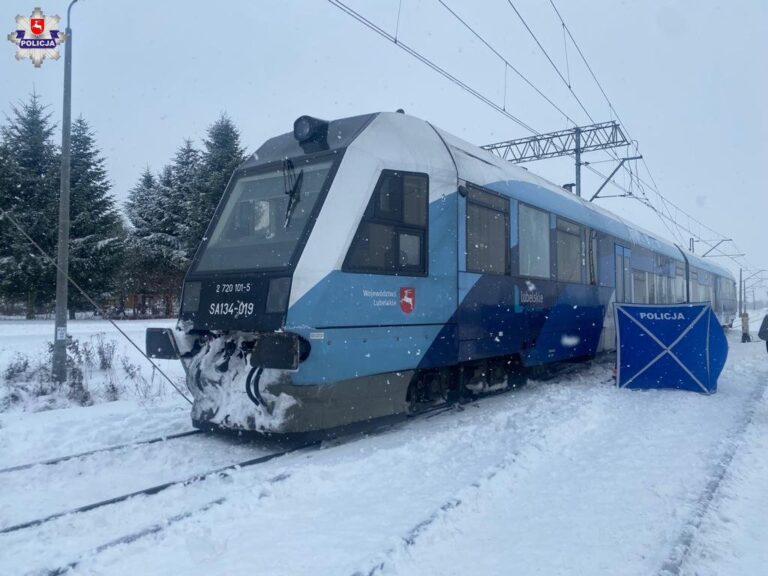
(343,510)
(59,459)
(39,494)
(614,501)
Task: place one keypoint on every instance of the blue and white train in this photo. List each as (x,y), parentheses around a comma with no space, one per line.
(373,265)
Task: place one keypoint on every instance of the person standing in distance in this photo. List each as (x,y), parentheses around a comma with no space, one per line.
(745,327)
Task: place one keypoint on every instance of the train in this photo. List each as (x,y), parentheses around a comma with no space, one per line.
(378,265)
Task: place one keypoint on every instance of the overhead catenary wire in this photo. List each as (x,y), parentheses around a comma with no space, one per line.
(6,214)
(611,107)
(643,198)
(653,186)
(546,54)
(506,62)
(578,100)
(665,203)
(614,157)
(399,43)
(646,201)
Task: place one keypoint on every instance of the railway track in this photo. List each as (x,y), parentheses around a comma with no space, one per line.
(680,552)
(152,490)
(60,459)
(89,480)
(221,471)
(164,524)
(148,531)
(428,413)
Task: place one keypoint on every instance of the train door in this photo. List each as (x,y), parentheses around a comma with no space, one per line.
(623,274)
(487,222)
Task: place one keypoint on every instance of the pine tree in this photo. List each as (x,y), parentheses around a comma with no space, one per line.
(153,245)
(170,211)
(96,246)
(140,206)
(223,153)
(187,184)
(30,192)
(8,179)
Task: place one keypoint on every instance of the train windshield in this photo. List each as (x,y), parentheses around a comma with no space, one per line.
(264,218)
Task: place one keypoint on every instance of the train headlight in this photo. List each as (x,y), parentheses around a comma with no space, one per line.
(309,129)
(302,129)
(191,300)
(277,296)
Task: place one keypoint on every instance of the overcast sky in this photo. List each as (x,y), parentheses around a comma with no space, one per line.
(687,78)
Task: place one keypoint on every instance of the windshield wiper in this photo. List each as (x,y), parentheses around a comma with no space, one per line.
(292,184)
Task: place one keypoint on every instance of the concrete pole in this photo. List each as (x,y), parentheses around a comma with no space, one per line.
(60,334)
(741,273)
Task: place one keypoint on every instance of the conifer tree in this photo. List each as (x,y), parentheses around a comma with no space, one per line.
(170,211)
(30,191)
(153,245)
(96,246)
(140,206)
(223,153)
(187,184)
(142,212)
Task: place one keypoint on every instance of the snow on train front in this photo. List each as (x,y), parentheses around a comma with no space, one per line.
(244,351)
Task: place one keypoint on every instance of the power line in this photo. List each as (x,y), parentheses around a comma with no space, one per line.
(99,309)
(399,43)
(568,84)
(570,88)
(654,186)
(506,62)
(668,218)
(560,74)
(578,49)
(464,86)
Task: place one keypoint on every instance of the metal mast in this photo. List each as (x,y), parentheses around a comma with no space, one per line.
(572,142)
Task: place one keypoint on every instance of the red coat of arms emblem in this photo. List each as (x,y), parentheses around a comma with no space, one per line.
(407,299)
(37,26)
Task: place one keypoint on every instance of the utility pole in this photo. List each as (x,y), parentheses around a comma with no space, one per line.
(60,335)
(577,138)
(741,273)
(743,288)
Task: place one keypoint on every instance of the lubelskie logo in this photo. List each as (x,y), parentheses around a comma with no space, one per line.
(407,299)
(37,37)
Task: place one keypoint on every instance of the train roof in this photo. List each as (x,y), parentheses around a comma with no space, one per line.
(484,168)
(538,191)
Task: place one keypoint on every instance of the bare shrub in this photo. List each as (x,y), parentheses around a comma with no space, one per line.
(112,390)
(77,391)
(143,388)
(17,369)
(105,350)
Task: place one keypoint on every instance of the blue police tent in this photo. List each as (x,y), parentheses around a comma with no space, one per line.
(669,346)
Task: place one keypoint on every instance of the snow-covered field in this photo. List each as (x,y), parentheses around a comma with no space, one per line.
(570,476)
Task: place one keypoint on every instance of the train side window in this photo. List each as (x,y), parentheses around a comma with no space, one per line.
(487,232)
(392,236)
(570,256)
(640,281)
(533,241)
(679,284)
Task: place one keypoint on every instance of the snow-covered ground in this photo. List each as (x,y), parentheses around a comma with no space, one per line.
(130,375)
(570,476)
